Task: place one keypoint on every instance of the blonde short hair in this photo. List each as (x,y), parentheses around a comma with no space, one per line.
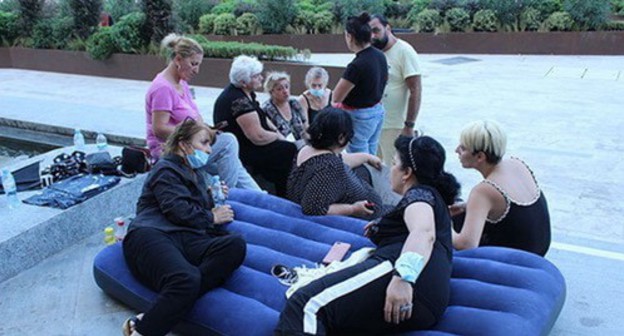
(316,72)
(174,44)
(243,68)
(485,136)
(273,78)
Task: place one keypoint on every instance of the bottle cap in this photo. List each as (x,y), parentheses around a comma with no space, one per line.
(109,230)
(119,221)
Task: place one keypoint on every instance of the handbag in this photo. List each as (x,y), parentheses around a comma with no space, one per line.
(135,160)
(101,163)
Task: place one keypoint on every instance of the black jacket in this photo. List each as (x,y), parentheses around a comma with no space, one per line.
(174,198)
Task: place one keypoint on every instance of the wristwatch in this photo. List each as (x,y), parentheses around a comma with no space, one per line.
(409,123)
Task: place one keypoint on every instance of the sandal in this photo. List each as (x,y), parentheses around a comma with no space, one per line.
(285,275)
(129,325)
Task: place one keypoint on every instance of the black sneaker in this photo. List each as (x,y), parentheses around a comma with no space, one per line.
(285,275)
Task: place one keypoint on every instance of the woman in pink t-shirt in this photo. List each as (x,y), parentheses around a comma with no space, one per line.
(169,102)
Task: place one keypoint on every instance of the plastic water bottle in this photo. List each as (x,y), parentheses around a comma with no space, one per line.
(101,142)
(79,141)
(120,229)
(216,190)
(109,236)
(10,189)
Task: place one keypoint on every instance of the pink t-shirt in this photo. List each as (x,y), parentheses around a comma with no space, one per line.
(162,96)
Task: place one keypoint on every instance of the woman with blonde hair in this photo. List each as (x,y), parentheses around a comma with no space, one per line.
(169,102)
(176,244)
(507,208)
(285,112)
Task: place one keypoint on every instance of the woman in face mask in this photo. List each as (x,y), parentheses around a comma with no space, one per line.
(318,95)
(176,245)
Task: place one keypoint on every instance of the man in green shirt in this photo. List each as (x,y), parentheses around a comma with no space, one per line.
(402,95)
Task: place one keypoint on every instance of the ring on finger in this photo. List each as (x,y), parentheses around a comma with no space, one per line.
(405,307)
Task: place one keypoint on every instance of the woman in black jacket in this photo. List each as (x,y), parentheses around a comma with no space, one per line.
(176,245)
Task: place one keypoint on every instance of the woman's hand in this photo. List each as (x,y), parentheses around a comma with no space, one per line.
(457,208)
(368,228)
(359,209)
(223,214)
(398,294)
(374,161)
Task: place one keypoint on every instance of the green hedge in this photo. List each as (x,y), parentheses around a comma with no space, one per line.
(9,27)
(223,49)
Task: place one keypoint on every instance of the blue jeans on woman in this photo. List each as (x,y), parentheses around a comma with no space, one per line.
(367,124)
(224,161)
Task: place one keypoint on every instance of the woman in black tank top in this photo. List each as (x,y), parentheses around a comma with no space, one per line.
(507,208)
(317,96)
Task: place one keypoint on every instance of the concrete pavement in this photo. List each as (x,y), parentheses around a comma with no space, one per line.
(564,117)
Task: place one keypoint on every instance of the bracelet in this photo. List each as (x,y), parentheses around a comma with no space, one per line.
(409,123)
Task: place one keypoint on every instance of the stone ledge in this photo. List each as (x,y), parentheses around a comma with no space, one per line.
(31,234)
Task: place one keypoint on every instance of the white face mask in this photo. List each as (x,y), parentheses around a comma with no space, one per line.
(317,92)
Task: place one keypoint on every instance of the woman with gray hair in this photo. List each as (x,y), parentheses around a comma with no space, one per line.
(283,111)
(507,208)
(318,95)
(262,147)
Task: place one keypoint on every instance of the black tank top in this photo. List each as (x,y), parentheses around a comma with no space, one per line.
(524,226)
(312,112)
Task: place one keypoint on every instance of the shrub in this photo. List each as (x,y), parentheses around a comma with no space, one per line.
(507,12)
(471,6)
(559,21)
(9,6)
(403,22)
(220,49)
(323,22)
(345,8)
(419,6)
(101,45)
(314,6)
(303,22)
(616,6)
(130,33)
(225,7)
(188,12)
(52,33)
(615,25)
(29,13)
(206,23)
(247,24)
(225,24)
(245,6)
(485,21)
(275,15)
(458,19)
(442,6)
(589,15)
(86,15)
(547,7)
(9,28)
(119,8)
(76,44)
(157,18)
(397,8)
(428,20)
(530,19)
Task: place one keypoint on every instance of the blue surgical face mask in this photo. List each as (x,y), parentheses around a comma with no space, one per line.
(317,92)
(198,159)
